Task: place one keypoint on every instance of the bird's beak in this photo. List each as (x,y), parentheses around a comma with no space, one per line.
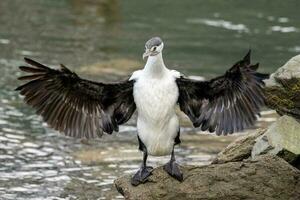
(146,54)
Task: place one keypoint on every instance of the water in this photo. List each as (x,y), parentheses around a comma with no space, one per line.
(104,40)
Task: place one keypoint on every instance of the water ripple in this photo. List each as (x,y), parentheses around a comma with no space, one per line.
(221,24)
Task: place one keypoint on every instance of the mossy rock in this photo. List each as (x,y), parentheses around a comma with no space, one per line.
(284,97)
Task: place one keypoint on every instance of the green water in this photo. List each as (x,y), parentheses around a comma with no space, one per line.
(201,38)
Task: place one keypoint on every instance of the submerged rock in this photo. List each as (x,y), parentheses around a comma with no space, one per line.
(111,68)
(267,177)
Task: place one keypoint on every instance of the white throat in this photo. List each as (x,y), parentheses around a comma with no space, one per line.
(155,65)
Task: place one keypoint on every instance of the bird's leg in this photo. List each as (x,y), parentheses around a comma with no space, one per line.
(143,173)
(172,168)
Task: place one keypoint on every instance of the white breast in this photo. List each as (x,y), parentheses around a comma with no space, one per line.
(157,123)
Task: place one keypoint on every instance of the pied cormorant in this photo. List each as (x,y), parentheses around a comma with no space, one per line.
(86,109)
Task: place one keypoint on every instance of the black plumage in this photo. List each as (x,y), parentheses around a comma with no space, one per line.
(225,104)
(83,108)
(75,106)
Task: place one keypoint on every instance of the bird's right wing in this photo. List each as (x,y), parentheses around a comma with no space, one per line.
(225,104)
(75,106)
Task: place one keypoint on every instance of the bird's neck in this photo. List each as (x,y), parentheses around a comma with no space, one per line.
(155,66)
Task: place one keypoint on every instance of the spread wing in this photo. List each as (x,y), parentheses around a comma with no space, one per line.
(75,106)
(225,104)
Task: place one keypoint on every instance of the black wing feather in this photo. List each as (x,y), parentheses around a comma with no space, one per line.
(225,104)
(75,106)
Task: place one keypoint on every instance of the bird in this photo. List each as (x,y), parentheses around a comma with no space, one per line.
(83,108)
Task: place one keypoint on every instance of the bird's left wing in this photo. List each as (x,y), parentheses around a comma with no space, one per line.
(225,104)
(75,106)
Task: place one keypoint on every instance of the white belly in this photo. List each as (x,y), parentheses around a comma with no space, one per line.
(157,121)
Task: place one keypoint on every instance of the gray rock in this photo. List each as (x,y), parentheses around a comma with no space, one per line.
(291,69)
(282,138)
(240,149)
(285,133)
(261,146)
(267,177)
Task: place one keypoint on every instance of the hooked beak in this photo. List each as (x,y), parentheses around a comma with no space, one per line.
(146,54)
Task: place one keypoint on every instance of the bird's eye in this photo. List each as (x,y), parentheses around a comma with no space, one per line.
(153,48)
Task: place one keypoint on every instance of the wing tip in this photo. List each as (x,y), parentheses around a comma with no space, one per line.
(35,63)
(28,60)
(247,57)
(18,88)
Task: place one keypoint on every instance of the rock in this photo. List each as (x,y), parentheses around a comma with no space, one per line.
(291,69)
(239,149)
(267,177)
(284,98)
(283,89)
(282,138)
(285,133)
(261,146)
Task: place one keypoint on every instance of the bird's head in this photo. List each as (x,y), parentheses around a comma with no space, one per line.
(153,47)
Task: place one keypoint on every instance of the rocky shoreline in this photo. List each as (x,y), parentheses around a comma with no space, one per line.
(268,177)
(264,164)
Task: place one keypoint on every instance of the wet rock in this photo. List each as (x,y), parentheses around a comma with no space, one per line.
(267,177)
(240,149)
(282,138)
(283,89)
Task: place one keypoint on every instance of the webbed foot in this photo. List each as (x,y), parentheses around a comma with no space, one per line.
(172,168)
(141,176)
